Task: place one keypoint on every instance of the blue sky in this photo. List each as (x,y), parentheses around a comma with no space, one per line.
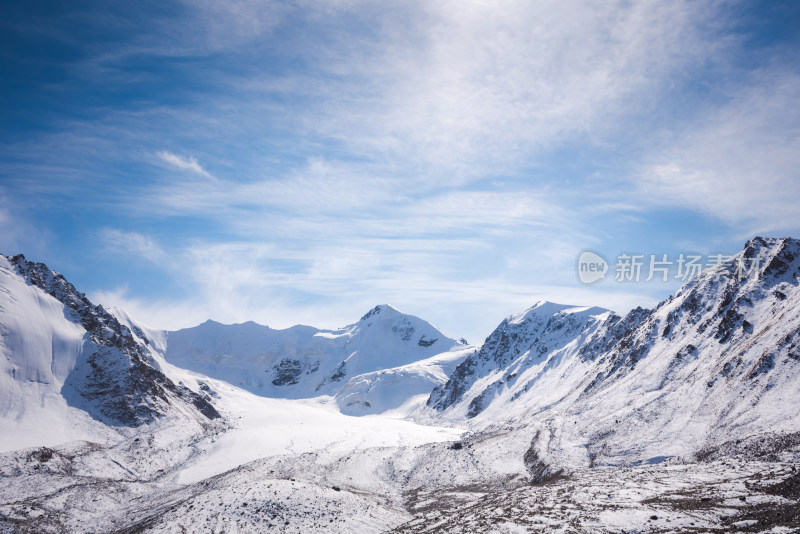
(299,162)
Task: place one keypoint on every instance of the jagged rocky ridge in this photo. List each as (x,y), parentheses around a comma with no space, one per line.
(522,340)
(116,378)
(718,360)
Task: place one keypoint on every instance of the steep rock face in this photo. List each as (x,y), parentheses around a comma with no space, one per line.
(521,341)
(716,361)
(726,312)
(303,361)
(110,373)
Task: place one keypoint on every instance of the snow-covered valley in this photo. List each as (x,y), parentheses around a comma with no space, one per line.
(566,419)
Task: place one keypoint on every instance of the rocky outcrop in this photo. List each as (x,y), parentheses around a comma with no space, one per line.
(117,380)
(522,340)
(715,361)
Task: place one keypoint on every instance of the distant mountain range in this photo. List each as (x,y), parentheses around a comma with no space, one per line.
(303,362)
(717,359)
(711,372)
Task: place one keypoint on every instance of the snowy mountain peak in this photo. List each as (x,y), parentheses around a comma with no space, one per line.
(762,260)
(734,304)
(545,308)
(732,300)
(714,361)
(773,260)
(775,244)
(383,310)
(303,361)
(520,341)
(83,353)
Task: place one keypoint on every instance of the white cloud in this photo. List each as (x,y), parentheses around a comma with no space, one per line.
(9,240)
(471,88)
(156,313)
(242,282)
(216,26)
(738,162)
(132,243)
(184,163)
(17,233)
(318,186)
(334,200)
(400,116)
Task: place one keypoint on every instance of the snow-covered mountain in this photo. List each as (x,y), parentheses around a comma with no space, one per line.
(680,418)
(522,342)
(403,389)
(61,354)
(303,361)
(719,360)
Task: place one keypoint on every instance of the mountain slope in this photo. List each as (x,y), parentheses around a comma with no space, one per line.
(57,347)
(543,333)
(405,387)
(718,360)
(302,361)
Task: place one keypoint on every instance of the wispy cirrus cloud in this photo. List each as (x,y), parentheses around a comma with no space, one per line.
(280,287)
(184,163)
(17,234)
(284,160)
(132,244)
(737,162)
(474,88)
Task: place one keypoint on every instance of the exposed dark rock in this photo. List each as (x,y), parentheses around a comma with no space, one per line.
(119,381)
(480,402)
(374,311)
(539,471)
(449,393)
(766,447)
(426,342)
(340,372)
(287,372)
(405,330)
(765,363)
